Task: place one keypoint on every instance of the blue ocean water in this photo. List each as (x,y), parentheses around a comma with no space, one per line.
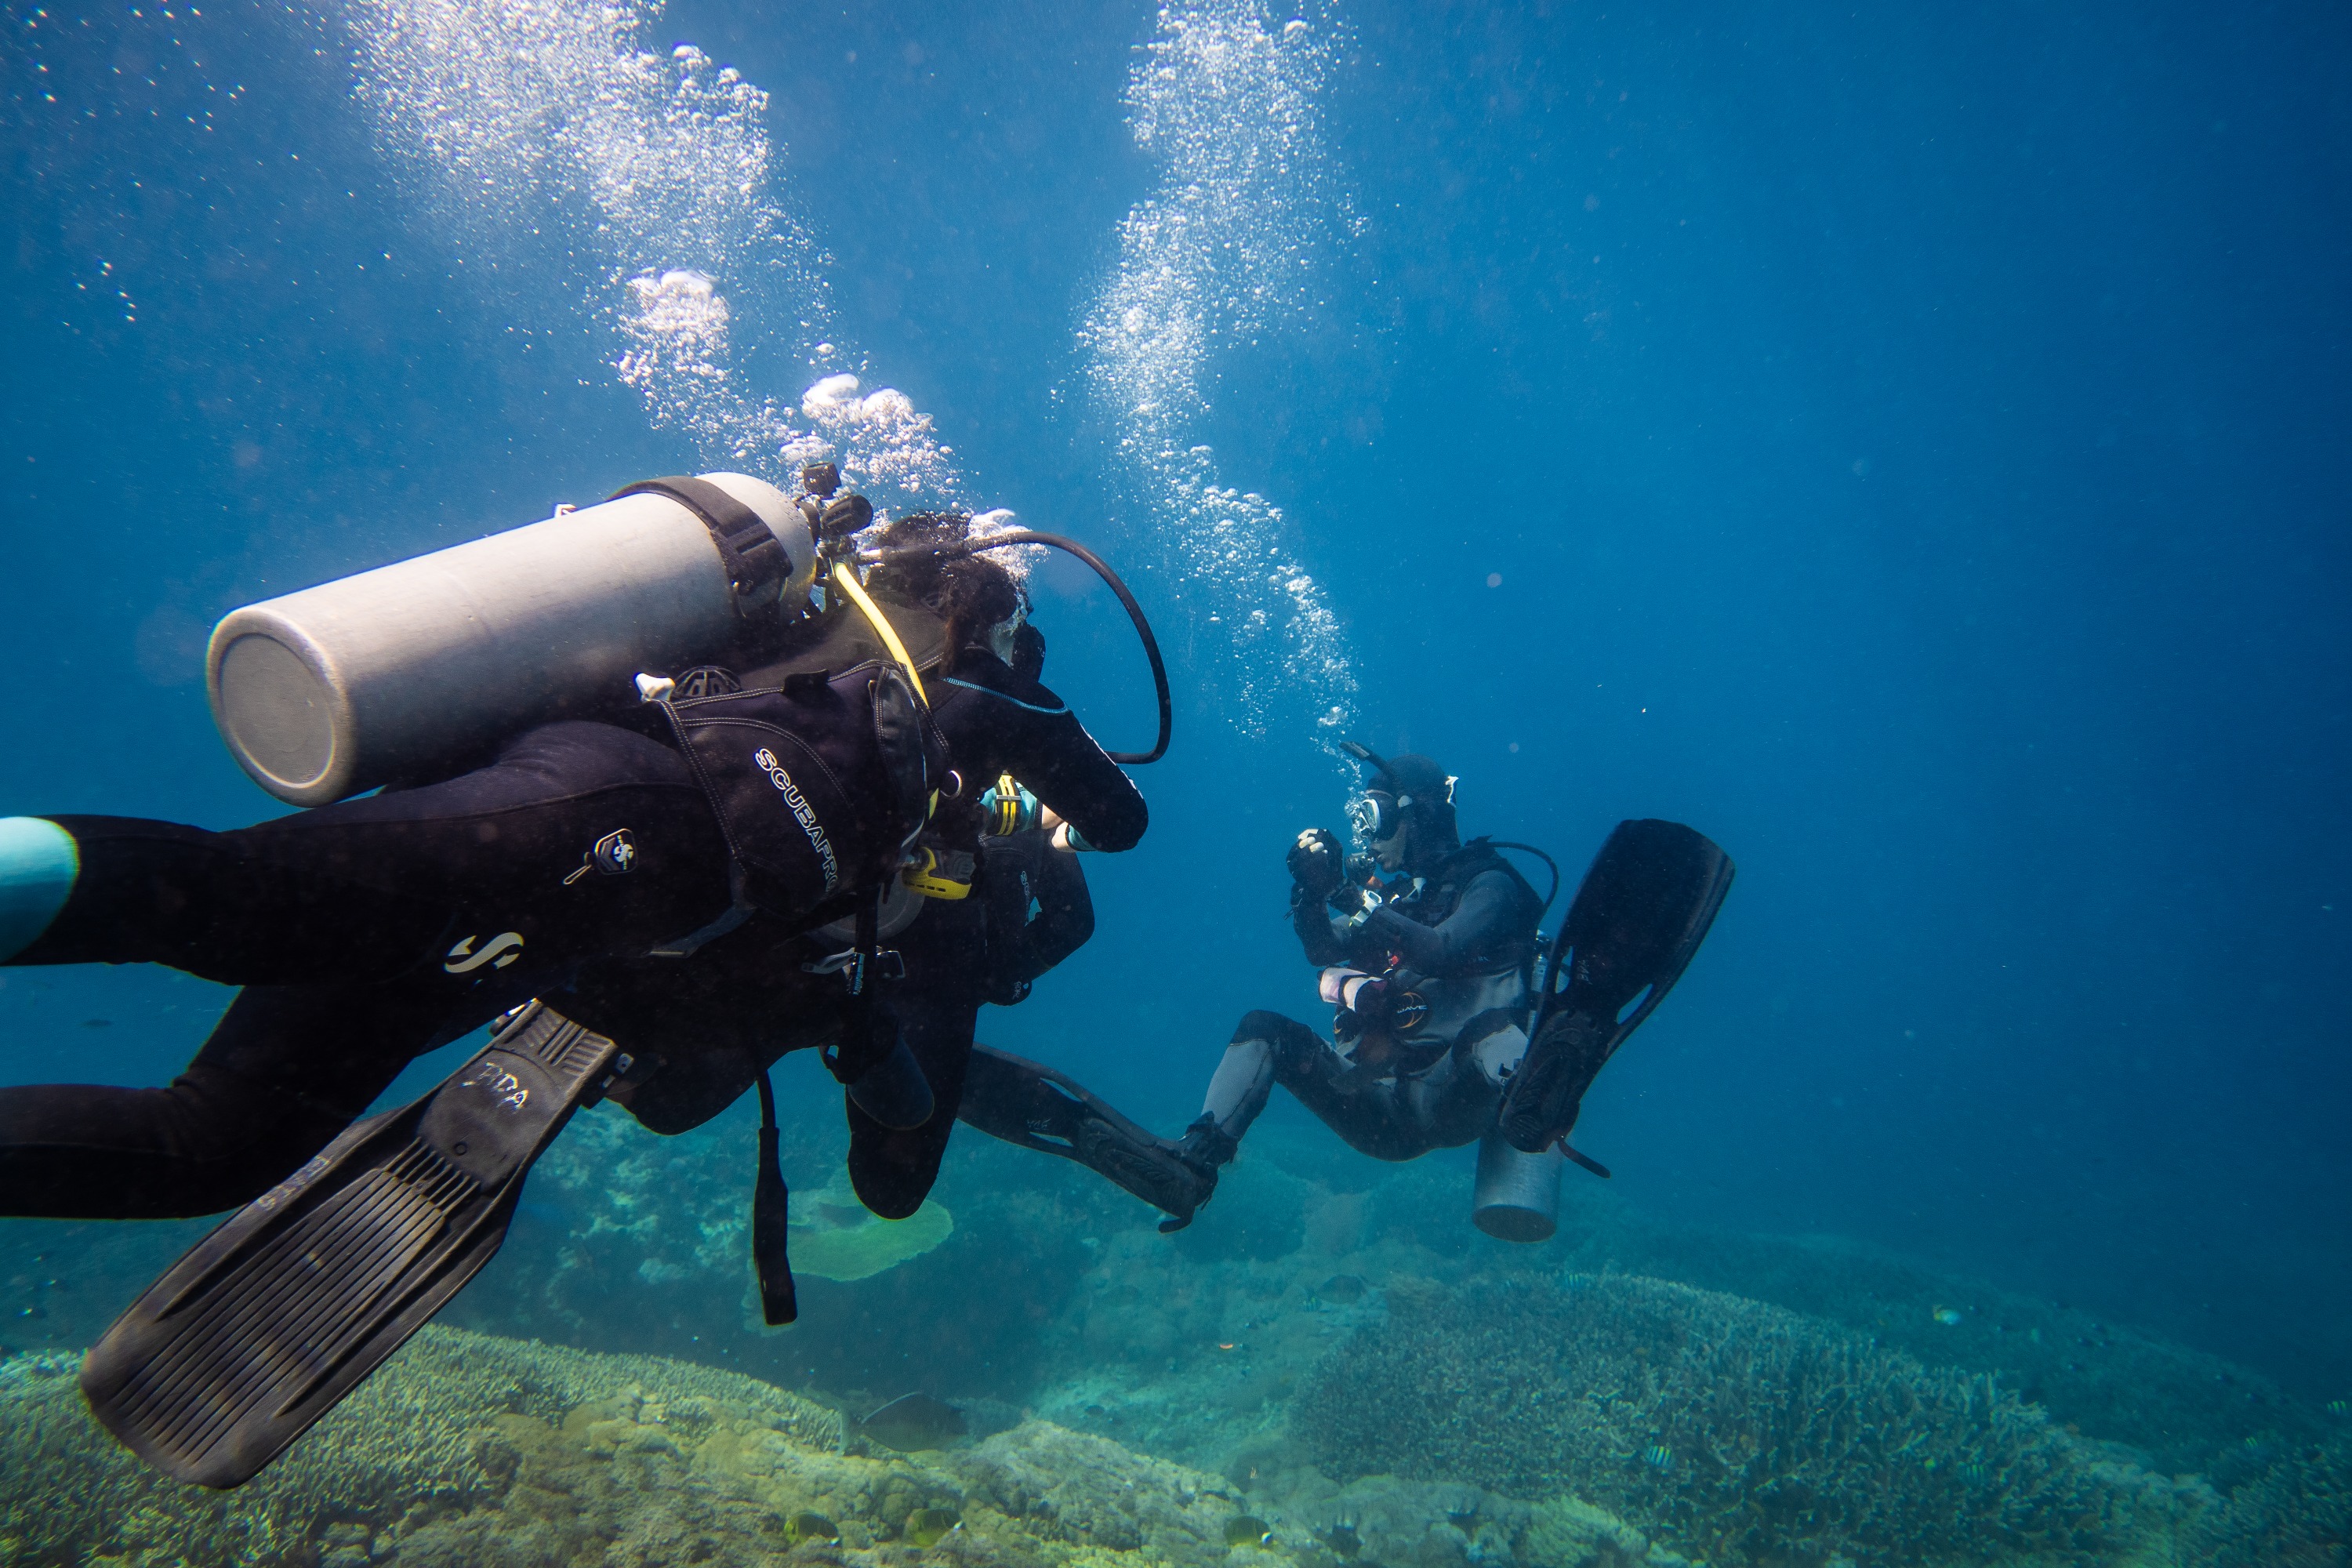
(1905,447)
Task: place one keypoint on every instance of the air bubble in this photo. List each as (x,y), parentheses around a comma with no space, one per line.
(1226,98)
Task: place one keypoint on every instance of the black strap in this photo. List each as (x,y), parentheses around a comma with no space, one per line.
(860,1045)
(757,563)
(771,1221)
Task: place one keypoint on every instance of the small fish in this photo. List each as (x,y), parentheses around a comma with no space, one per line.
(1658,1457)
(98,1023)
(808,1526)
(1343,1541)
(2339,1407)
(1974,1473)
(1947,1316)
(930,1526)
(1248,1529)
(1342,1289)
(913,1422)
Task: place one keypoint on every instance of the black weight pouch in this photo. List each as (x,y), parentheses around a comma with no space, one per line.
(819,785)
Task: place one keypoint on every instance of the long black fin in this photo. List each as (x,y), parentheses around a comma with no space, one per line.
(1030,1104)
(266,1324)
(1640,915)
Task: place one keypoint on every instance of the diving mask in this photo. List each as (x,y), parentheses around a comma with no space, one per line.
(1376,815)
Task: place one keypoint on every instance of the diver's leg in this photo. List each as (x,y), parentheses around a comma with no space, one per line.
(934,1010)
(1268,1049)
(1261,1049)
(158,892)
(285,1069)
(1022,1102)
(500,864)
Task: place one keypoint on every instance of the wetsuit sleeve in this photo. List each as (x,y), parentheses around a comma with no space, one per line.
(1063,766)
(1066,911)
(1490,916)
(1311,919)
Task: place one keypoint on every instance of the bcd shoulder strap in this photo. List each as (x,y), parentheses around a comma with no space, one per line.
(757,563)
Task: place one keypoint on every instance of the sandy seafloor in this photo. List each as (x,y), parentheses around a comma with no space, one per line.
(1331,1367)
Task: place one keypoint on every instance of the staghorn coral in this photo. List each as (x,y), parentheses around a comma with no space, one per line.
(1740,1432)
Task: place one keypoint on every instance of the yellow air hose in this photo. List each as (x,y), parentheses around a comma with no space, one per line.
(846,581)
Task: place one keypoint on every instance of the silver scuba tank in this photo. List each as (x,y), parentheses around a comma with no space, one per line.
(335,690)
(1518,1196)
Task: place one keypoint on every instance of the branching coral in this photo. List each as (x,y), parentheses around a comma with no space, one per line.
(2297,1513)
(1741,1432)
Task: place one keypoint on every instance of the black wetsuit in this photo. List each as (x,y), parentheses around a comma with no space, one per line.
(718,1020)
(365,933)
(371,931)
(1459,940)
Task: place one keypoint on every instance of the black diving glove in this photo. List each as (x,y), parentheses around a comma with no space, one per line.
(1316,865)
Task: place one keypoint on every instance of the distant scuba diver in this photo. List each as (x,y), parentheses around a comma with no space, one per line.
(539,820)
(1428,950)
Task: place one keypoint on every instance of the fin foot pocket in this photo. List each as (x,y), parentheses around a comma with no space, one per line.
(266,1324)
(1643,907)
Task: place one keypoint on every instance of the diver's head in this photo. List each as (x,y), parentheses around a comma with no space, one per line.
(983,605)
(1404,813)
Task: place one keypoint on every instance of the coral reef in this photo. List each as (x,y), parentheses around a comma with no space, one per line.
(2295,1513)
(1738,1431)
(511,1453)
(834,1237)
(2185,1409)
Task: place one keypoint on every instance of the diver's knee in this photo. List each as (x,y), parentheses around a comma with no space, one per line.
(1260,1025)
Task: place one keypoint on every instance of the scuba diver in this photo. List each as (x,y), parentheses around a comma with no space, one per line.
(698,1046)
(756,994)
(548,806)
(1428,950)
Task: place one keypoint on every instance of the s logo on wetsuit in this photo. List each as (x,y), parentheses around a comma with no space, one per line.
(504,949)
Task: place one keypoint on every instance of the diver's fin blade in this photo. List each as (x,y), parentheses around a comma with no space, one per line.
(1033,1105)
(266,1324)
(1638,917)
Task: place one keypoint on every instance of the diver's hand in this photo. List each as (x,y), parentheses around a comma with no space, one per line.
(1315,863)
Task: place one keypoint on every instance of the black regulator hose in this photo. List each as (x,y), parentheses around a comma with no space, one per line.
(1102,570)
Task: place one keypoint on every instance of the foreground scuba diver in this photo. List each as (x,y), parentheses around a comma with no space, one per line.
(664,820)
(756,994)
(700,1041)
(1427,955)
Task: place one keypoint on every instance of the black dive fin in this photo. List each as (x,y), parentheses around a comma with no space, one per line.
(1030,1104)
(1641,913)
(280,1312)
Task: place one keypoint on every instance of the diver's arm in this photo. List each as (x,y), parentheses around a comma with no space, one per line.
(1312,920)
(1066,770)
(1490,915)
(1066,911)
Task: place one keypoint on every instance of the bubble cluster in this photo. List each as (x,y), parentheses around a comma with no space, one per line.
(566,162)
(1224,249)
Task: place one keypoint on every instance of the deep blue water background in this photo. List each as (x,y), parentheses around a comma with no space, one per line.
(1912,449)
